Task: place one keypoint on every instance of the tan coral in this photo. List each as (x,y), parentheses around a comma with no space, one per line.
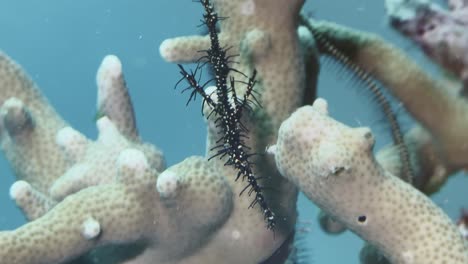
(109,195)
(127,210)
(95,158)
(114,192)
(113,98)
(438,151)
(262,32)
(91,168)
(38,137)
(334,166)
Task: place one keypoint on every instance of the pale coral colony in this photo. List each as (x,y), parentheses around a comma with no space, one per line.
(113,199)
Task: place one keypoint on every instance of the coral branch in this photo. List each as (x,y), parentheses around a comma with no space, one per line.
(127,211)
(33,203)
(227,111)
(334,166)
(428,100)
(249,31)
(24,143)
(113,99)
(112,199)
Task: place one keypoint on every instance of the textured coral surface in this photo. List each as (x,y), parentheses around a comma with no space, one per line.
(334,166)
(110,197)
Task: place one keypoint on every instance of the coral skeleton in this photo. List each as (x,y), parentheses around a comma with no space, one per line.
(114,199)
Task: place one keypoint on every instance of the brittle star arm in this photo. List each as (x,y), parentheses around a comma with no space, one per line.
(426,99)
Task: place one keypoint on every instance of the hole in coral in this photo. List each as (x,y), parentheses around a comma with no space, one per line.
(362,219)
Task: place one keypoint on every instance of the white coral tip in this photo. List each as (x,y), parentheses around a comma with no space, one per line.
(68,136)
(168,51)
(321,106)
(271,150)
(108,132)
(211,91)
(132,159)
(13,102)
(111,66)
(167,184)
(19,189)
(90,228)
(104,124)
(463,230)
(109,71)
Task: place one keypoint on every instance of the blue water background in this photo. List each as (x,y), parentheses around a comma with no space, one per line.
(61,43)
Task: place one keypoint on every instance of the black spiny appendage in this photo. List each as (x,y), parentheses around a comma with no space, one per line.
(227,111)
(327,48)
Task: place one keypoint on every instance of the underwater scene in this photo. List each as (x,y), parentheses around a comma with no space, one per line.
(234,131)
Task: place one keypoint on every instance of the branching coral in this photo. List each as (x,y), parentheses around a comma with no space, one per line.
(112,200)
(112,192)
(334,166)
(91,165)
